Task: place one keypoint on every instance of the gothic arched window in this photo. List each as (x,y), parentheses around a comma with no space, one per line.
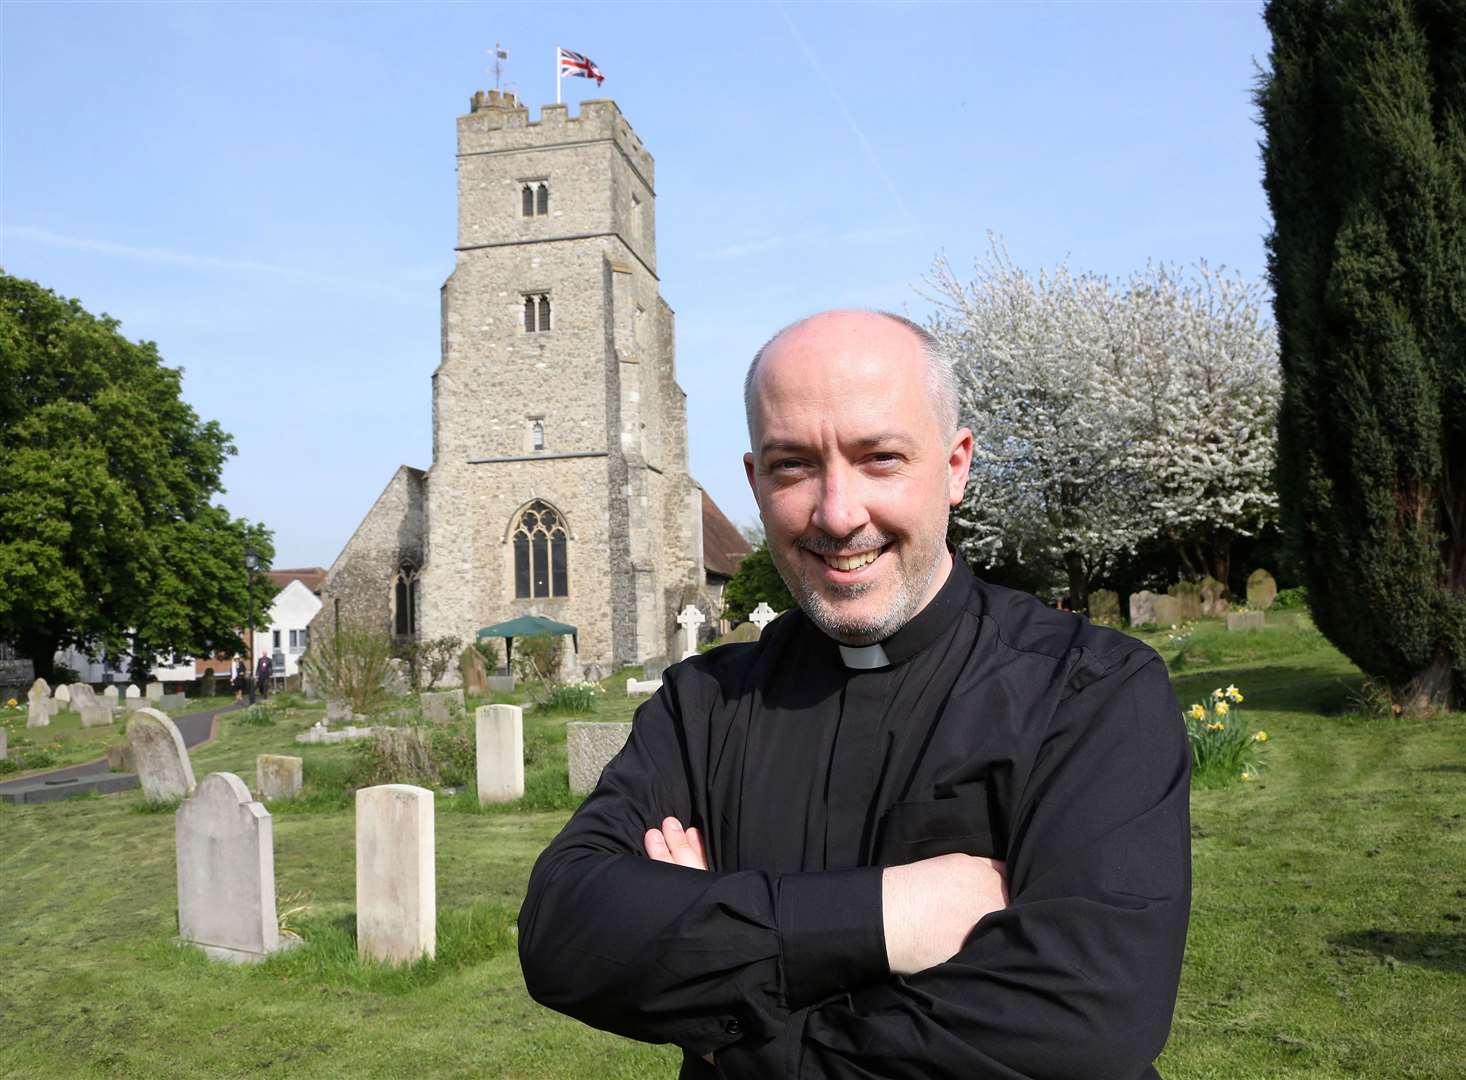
(542,198)
(404,601)
(527,201)
(536,312)
(539,553)
(529,315)
(544,313)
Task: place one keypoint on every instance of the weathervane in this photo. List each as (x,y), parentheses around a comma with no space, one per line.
(500,55)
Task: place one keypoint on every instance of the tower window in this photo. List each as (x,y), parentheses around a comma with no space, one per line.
(534,198)
(527,199)
(536,313)
(544,313)
(539,553)
(404,597)
(537,435)
(542,199)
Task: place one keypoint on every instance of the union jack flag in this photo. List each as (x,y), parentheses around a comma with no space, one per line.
(572,63)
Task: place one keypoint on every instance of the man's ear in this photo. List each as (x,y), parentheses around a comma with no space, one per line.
(959,463)
(752,474)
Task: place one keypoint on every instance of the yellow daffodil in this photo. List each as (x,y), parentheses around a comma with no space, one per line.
(1261,736)
(1237,698)
(1222,708)
(1197,712)
(1216,726)
(1218,692)
(1247,776)
(11,703)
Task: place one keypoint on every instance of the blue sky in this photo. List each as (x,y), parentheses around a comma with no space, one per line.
(268,191)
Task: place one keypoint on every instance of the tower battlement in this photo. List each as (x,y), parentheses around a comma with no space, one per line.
(498,121)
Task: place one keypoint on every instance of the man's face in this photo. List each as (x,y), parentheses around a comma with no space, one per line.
(853,473)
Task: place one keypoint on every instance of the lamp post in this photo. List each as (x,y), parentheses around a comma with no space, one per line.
(251,564)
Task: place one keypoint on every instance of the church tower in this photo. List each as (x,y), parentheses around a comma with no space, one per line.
(559,484)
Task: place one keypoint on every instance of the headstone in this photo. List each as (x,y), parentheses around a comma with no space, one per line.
(635,687)
(338,711)
(762,615)
(689,618)
(119,758)
(499,749)
(94,711)
(1142,608)
(154,691)
(502,684)
(4,742)
(132,704)
(654,667)
(278,776)
(172,702)
(162,762)
(1104,607)
(38,705)
(741,634)
(1188,596)
(1246,620)
(442,706)
(1262,590)
(319,735)
(132,693)
(226,872)
(569,672)
(396,682)
(396,886)
(1167,610)
(63,694)
(110,695)
(475,672)
(1214,603)
(590,745)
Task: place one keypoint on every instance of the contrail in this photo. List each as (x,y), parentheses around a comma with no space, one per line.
(870,152)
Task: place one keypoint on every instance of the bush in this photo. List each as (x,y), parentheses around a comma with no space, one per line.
(577,698)
(353,665)
(427,661)
(1292,599)
(430,757)
(257,715)
(8,766)
(1223,749)
(489,650)
(37,759)
(538,657)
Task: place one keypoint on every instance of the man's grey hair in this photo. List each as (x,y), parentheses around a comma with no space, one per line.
(941,372)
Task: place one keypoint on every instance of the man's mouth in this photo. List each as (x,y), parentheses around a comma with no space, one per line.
(852,561)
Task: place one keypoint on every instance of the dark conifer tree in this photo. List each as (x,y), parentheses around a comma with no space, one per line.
(1364,114)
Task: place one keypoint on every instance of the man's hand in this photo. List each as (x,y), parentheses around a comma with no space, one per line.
(930,907)
(674,844)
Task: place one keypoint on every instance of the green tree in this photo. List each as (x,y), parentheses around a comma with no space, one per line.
(757,579)
(109,540)
(1364,111)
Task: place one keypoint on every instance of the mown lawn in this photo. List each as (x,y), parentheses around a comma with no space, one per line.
(1327,938)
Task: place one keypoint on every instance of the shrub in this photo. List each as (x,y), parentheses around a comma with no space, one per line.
(1292,599)
(37,759)
(257,715)
(430,757)
(538,657)
(352,664)
(8,766)
(578,698)
(489,650)
(1223,748)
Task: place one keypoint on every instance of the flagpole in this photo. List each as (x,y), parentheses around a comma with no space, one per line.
(557,74)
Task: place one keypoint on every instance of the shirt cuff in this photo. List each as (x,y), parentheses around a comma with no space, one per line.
(830,923)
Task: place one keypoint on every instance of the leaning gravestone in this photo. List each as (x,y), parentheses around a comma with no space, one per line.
(499,751)
(1262,590)
(441,707)
(39,706)
(1213,597)
(162,762)
(1167,610)
(474,671)
(396,877)
(154,691)
(590,745)
(1142,608)
(278,776)
(1188,597)
(94,711)
(226,872)
(1104,607)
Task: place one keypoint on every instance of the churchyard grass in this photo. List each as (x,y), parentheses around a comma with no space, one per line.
(1326,941)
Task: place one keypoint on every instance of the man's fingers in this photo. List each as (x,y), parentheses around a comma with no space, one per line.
(679,845)
(694,841)
(656,846)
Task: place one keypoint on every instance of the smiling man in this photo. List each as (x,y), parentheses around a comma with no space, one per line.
(924,827)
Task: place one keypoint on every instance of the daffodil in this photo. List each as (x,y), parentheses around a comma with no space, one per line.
(1247,776)
(1237,698)
(1218,692)
(1197,712)
(1216,726)
(1222,708)
(1261,736)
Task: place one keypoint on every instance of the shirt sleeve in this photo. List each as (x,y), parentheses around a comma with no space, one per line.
(664,953)
(1077,977)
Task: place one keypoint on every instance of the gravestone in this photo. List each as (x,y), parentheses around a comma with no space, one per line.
(1262,590)
(742,633)
(338,711)
(1246,620)
(689,618)
(654,667)
(396,682)
(499,751)
(1104,607)
(635,687)
(1167,610)
(39,705)
(63,694)
(4,742)
(475,672)
(762,615)
(278,776)
(1188,596)
(110,695)
(590,745)
(502,684)
(1142,608)
(1214,603)
(226,872)
(154,691)
(132,704)
(94,711)
(162,762)
(396,886)
(171,702)
(442,706)
(132,693)
(119,758)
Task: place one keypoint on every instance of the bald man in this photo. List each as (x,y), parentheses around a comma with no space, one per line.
(923,827)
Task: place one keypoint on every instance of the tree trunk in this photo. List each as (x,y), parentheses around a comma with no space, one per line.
(1078,581)
(40,648)
(1433,689)
(1221,559)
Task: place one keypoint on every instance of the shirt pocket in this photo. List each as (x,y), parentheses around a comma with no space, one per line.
(962,823)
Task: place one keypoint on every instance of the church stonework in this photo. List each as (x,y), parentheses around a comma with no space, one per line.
(559,483)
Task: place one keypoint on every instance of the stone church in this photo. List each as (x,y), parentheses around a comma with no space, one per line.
(559,483)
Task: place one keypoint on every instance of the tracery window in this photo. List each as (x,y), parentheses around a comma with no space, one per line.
(404,601)
(540,567)
(534,198)
(536,313)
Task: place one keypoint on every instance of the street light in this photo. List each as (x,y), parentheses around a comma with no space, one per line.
(251,564)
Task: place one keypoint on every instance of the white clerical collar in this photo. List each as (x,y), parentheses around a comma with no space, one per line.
(864,657)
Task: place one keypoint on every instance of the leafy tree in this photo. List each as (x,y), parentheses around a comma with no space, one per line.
(1364,112)
(757,579)
(108,538)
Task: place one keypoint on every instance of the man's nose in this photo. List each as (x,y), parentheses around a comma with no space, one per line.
(841,508)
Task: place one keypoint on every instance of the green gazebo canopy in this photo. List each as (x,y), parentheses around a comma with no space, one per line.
(528,626)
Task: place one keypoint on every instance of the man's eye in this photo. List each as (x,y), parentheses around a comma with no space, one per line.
(884,459)
(785,465)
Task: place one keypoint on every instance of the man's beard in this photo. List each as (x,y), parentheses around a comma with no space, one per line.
(910,587)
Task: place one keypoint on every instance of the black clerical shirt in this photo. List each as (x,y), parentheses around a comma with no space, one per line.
(998,727)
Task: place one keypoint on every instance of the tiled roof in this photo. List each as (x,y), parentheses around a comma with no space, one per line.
(310,576)
(723,546)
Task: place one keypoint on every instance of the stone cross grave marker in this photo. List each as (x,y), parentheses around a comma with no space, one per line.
(690,619)
(590,746)
(226,872)
(39,705)
(162,762)
(499,751)
(396,882)
(762,615)
(278,776)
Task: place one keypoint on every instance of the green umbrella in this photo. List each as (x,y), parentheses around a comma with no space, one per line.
(528,626)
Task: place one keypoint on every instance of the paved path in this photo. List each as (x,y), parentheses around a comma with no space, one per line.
(94,775)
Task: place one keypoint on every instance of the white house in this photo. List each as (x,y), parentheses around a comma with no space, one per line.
(99,671)
(294,607)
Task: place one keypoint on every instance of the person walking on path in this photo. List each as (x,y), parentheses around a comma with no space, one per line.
(240,679)
(262,676)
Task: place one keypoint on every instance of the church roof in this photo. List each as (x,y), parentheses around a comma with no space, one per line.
(723,546)
(309,576)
